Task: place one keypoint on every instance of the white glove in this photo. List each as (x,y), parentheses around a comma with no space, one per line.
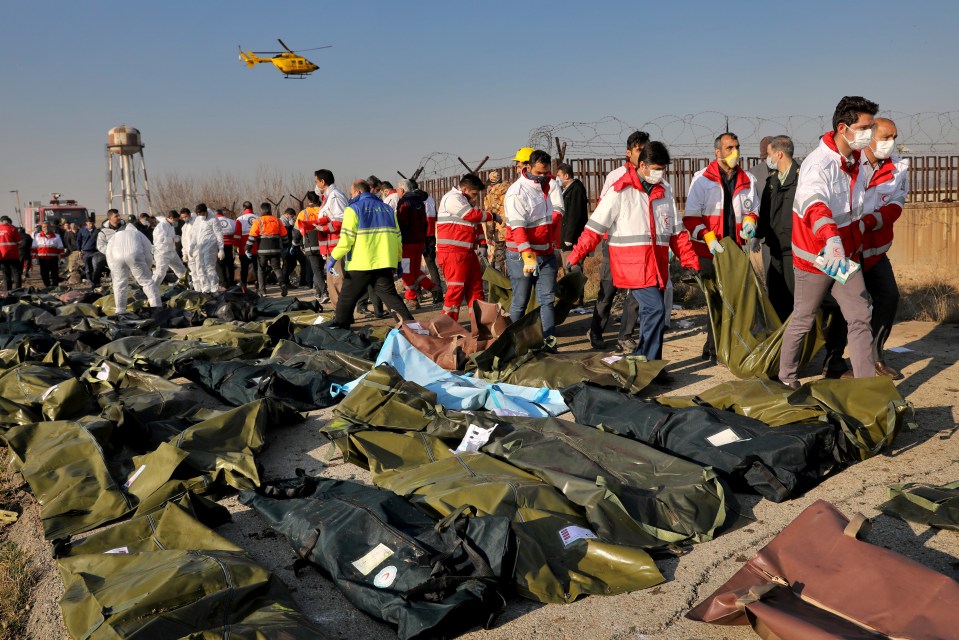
(835,257)
(219,254)
(713,243)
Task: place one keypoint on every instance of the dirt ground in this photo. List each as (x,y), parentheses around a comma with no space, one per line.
(928,454)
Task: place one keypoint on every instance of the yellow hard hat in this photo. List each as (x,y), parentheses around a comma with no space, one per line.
(523,154)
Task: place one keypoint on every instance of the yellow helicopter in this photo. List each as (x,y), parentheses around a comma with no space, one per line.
(288,62)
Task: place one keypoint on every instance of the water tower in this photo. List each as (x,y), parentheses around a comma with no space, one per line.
(127,172)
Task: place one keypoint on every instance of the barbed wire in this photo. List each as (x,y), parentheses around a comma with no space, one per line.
(925,133)
(922,133)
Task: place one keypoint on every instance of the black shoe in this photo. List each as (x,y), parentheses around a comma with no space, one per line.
(597,343)
(283,291)
(709,355)
(366,313)
(380,315)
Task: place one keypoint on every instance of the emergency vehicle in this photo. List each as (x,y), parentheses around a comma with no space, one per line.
(38,213)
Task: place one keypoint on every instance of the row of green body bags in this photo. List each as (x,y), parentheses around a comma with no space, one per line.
(429,578)
(587,507)
(167,576)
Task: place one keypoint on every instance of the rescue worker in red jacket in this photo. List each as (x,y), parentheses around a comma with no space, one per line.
(534,220)
(10,253)
(639,214)
(241,234)
(885,178)
(827,213)
(457,225)
(226,267)
(48,248)
(722,201)
(268,236)
(411,218)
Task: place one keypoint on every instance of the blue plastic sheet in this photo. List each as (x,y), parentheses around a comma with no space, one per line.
(463,392)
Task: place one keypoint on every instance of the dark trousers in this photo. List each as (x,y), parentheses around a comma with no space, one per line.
(781,283)
(266,262)
(245,264)
(429,253)
(708,270)
(11,272)
(49,271)
(317,262)
(652,321)
(354,286)
(884,292)
(604,307)
(226,268)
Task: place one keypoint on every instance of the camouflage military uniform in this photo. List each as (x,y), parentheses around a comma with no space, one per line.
(496,231)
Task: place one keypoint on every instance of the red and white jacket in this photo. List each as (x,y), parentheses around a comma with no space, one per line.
(330,219)
(828,203)
(47,246)
(392,198)
(534,216)
(642,228)
(241,230)
(227,228)
(704,205)
(9,243)
(457,223)
(887,187)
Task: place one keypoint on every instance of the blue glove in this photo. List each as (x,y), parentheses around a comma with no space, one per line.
(748,231)
(835,256)
(249,256)
(292,250)
(330,264)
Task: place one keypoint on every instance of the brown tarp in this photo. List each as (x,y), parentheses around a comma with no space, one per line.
(448,343)
(816,579)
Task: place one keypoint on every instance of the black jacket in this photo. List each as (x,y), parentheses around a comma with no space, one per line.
(577,213)
(776,212)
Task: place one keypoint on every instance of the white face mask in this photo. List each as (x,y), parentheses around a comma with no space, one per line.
(883,149)
(654,176)
(861,139)
(318,191)
(771,163)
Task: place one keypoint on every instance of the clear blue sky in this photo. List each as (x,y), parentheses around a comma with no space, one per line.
(408,78)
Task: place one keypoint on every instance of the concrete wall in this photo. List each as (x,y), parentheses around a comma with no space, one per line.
(927,238)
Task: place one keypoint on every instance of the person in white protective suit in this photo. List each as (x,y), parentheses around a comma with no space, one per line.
(202,246)
(164,249)
(128,253)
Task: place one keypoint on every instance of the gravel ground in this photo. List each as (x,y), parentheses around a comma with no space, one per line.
(928,454)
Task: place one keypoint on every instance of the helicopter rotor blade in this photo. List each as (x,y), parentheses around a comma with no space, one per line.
(329,46)
(266,53)
(283,44)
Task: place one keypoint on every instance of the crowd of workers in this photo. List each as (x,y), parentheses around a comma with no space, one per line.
(826,225)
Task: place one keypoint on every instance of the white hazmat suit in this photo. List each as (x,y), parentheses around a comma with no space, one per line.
(128,253)
(202,243)
(164,252)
